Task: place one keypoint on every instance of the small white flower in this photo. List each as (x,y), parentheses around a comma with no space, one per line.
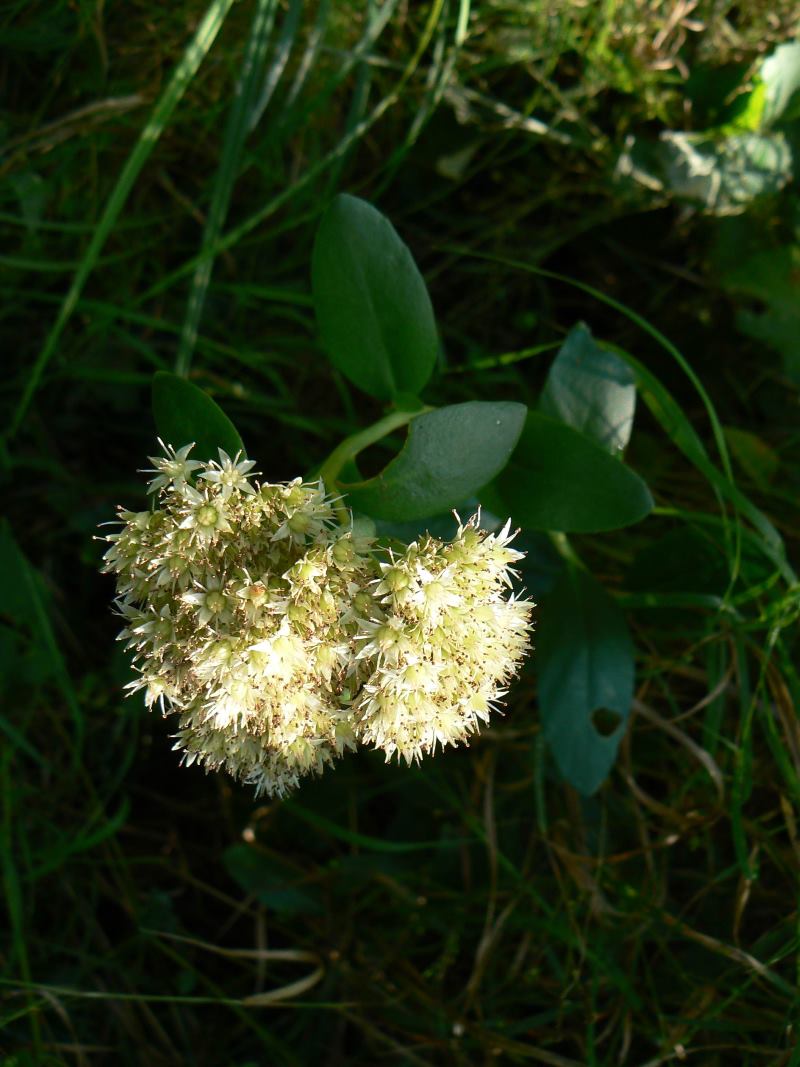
(206,517)
(230,475)
(307,513)
(175,468)
(210,602)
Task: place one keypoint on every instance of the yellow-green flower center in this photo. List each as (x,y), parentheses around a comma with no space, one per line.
(207,516)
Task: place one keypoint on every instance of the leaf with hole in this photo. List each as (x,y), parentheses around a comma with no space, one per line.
(448,455)
(373,310)
(557,479)
(586,674)
(772,276)
(184,413)
(591,390)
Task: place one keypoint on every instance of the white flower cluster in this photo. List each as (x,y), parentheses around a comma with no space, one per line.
(445,639)
(281,638)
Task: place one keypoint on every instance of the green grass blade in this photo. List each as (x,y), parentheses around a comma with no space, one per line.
(309,58)
(234,236)
(236,131)
(13,892)
(723,481)
(182,76)
(439,76)
(351,837)
(283,48)
(668,413)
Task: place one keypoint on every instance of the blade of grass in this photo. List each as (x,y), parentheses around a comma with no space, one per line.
(437,81)
(234,236)
(283,48)
(13,894)
(193,56)
(38,618)
(350,61)
(666,408)
(158,998)
(358,106)
(309,59)
(84,840)
(742,784)
(236,131)
(375,844)
(669,414)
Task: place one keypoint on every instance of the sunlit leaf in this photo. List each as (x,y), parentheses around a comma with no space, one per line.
(373,309)
(591,390)
(448,455)
(724,175)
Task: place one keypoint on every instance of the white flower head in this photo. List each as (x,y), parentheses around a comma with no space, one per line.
(235,598)
(280,638)
(444,644)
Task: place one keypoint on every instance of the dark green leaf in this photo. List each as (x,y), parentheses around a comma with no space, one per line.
(373,309)
(770,275)
(444,525)
(780,330)
(557,479)
(586,673)
(542,564)
(719,95)
(591,390)
(266,877)
(184,413)
(448,455)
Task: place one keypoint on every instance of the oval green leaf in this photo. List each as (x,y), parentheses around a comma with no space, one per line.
(557,479)
(184,413)
(585,659)
(373,309)
(780,74)
(591,390)
(448,456)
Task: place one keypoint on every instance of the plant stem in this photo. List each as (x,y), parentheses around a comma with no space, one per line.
(562,545)
(357,442)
